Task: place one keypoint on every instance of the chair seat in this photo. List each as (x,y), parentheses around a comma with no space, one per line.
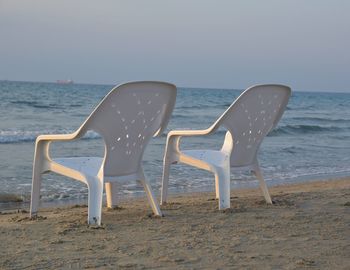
(213,157)
(86,165)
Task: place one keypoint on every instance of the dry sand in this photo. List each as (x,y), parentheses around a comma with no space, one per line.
(307,228)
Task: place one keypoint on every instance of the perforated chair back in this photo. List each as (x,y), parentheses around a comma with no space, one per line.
(251,117)
(127,118)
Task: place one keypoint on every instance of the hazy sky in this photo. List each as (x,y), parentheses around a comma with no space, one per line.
(193,43)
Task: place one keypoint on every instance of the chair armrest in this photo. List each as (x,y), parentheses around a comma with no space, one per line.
(188,133)
(42,145)
(174,137)
(58,137)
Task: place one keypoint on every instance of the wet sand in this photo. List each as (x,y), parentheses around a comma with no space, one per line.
(308,227)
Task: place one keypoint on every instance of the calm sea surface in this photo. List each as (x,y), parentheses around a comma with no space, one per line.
(312,141)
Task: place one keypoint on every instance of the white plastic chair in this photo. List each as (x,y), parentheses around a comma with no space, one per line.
(248,120)
(126,118)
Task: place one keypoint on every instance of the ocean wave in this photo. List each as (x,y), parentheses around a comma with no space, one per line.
(303,129)
(201,107)
(8,137)
(320,119)
(181,116)
(20,136)
(36,105)
(291,149)
(75,105)
(12,137)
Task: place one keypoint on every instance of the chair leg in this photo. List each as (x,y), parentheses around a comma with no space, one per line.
(153,202)
(216,186)
(39,167)
(35,196)
(111,194)
(263,185)
(165,181)
(223,187)
(95,186)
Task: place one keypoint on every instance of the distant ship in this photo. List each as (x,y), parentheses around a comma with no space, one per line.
(64,81)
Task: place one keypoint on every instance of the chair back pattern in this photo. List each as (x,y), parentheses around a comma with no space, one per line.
(127,118)
(251,117)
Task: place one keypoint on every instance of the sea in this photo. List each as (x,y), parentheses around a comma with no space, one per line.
(311,142)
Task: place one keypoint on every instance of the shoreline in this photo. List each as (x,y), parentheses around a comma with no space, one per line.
(307,227)
(9,201)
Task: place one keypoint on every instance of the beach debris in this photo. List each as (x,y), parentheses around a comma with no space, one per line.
(152,215)
(36,218)
(279,201)
(305,262)
(79,206)
(8,198)
(96,227)
(21,219)
(115,208)
(239,209)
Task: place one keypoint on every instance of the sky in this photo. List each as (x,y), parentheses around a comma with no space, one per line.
(192,43)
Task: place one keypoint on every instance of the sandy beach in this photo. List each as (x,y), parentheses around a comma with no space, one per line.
(307,228)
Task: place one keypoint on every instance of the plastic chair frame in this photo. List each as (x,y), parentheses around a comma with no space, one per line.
(221,167)
(95,179)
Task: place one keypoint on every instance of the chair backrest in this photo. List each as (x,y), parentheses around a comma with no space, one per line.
(251,117)
(127,118)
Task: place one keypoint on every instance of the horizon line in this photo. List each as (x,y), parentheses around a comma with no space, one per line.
(183,87)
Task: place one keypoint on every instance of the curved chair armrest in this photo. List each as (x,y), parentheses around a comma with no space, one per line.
(188,133)
(42,145)
(59,137)
(174,137)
